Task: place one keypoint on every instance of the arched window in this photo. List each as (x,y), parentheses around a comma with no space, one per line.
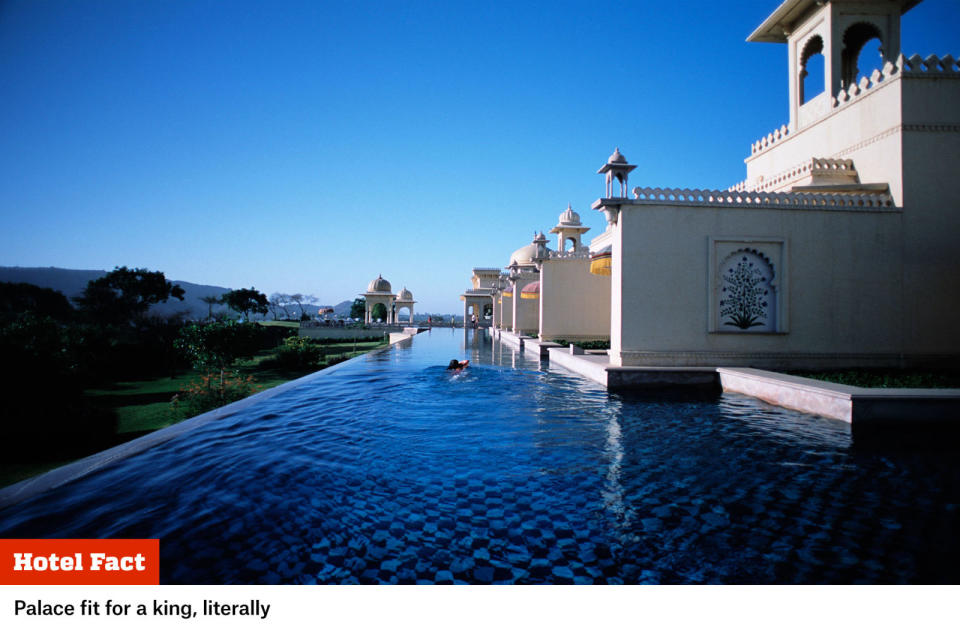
(862,48)
(812,63)
(747,297)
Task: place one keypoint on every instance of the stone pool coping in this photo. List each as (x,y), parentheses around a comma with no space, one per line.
(23,490)
(597,367)
(856,405)
(859,406)
(405,334)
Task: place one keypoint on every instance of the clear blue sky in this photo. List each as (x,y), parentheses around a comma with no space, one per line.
(309,146)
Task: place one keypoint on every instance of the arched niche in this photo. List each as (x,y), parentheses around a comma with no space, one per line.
(855,38)
(812,81)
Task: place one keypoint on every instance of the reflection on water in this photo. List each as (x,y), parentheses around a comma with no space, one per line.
(391,469)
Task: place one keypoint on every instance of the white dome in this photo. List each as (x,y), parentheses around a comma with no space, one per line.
(570,216)
(405,295)
(379,285)
(617,157)
(524,256)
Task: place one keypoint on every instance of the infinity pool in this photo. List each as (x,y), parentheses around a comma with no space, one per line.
(387,469)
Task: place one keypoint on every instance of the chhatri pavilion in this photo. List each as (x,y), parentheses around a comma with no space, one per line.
(380,292)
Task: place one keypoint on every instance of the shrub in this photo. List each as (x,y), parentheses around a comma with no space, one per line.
(213,390)
(42,407)
(584,344)
(299,352)
(218,345)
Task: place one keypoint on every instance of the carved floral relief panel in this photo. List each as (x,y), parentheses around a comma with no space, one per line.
(747,291)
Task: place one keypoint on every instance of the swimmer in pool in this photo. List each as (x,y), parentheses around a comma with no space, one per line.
(457,365)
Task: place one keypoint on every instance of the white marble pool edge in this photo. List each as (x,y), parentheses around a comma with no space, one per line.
(854,405)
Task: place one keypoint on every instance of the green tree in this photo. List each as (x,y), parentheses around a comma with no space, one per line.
(358,309)
(20,298)
(247,300)
(43,411)
(379,311)
(277,305)
(124,295)
(301,299)
(211,300)
(213,348)
(218,345)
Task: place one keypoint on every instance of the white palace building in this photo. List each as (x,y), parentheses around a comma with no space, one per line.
(841,248)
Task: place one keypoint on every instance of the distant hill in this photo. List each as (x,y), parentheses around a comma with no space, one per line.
(72,282)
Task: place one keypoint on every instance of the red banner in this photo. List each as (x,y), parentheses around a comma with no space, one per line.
(79,561)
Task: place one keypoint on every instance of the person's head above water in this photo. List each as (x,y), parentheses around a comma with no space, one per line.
(458,364)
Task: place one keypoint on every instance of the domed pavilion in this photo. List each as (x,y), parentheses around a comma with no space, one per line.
(379,291)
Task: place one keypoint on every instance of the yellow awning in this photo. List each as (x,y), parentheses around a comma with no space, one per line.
(600,262)
(601,266)
(531,291)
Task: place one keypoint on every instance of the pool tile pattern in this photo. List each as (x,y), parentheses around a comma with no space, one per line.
(392,471)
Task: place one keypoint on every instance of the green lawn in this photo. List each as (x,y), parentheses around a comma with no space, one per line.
(290,324)
(144,406)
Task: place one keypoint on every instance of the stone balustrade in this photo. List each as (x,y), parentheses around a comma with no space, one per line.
(757,199)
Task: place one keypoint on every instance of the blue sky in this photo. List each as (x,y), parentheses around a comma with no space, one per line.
(310,146)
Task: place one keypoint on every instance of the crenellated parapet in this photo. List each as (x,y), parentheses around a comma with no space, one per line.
(770,139)
(915,66)
(930,64)
(762,199)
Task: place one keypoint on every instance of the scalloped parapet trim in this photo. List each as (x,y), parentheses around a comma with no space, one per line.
(915,66)
(759,199)
(814,166)
(581,253)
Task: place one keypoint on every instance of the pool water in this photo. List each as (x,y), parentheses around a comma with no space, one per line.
(389,469)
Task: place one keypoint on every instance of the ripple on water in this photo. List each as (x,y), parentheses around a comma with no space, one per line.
(392,470)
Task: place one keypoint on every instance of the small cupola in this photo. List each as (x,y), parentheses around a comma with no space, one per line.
(568,230)
(617,169)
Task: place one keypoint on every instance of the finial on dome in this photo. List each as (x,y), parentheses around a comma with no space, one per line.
(379,285)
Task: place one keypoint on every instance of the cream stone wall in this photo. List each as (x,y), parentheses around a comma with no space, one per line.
(931,146)
(503,312)
(574,304)
(844,283)
(526,312)
(866,130)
